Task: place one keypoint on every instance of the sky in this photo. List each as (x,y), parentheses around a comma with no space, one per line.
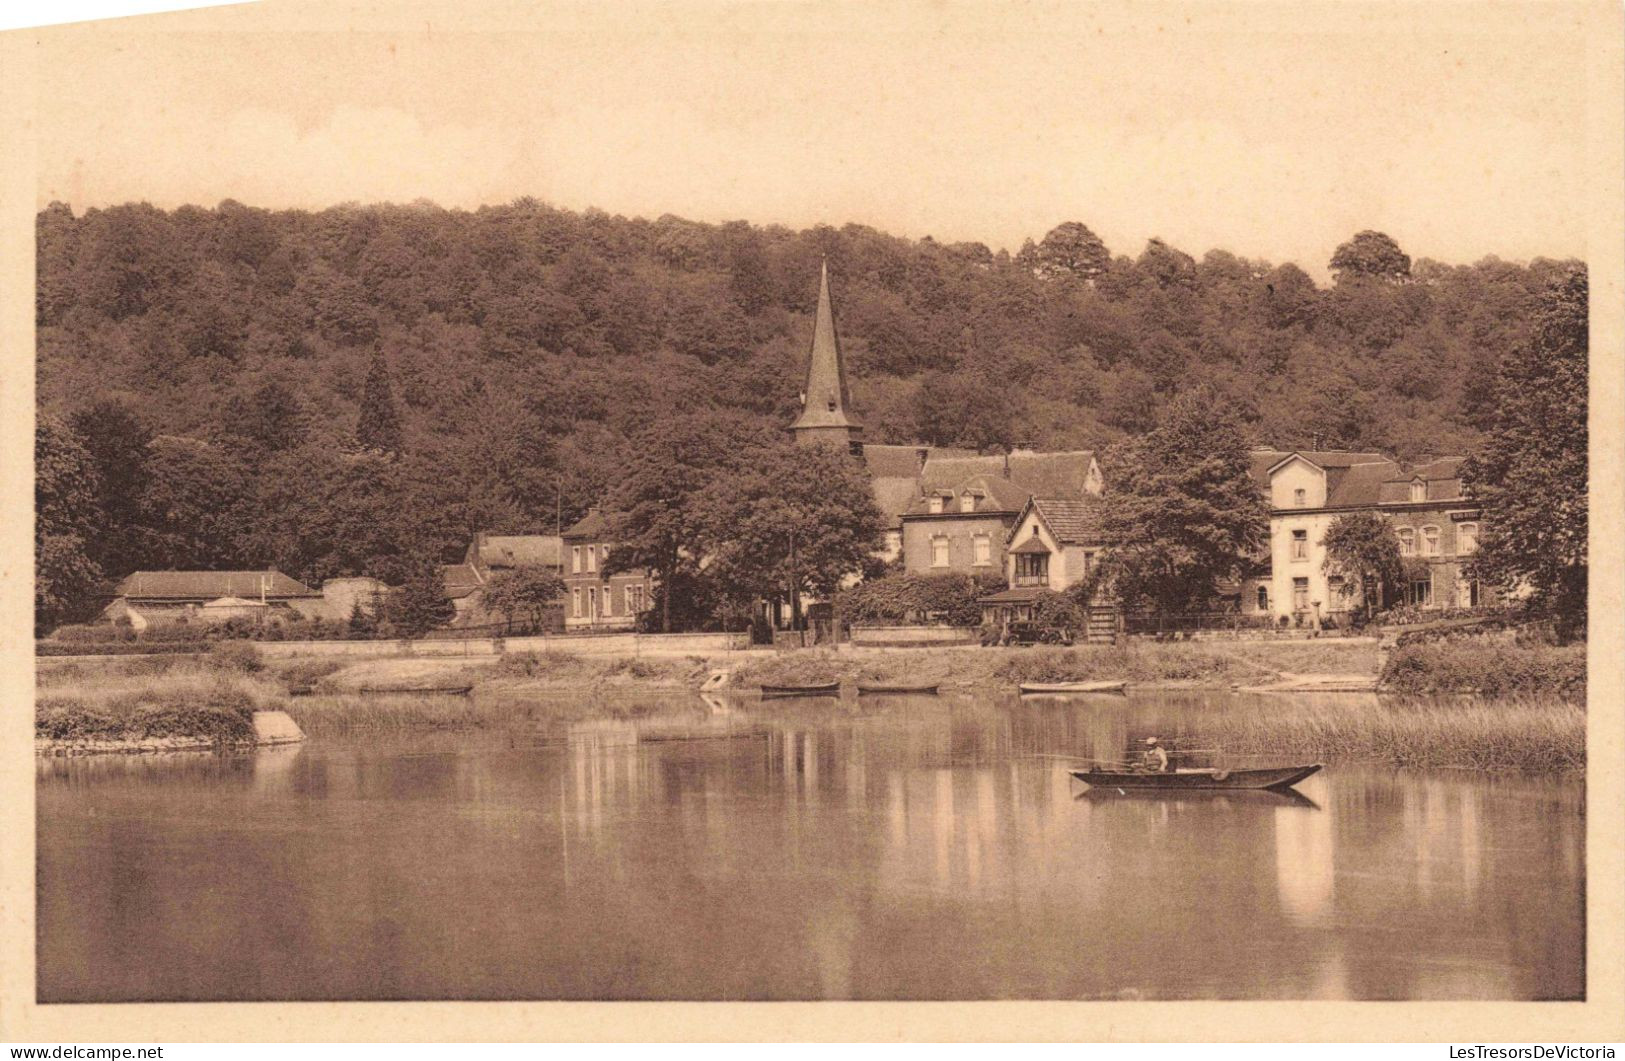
(1273,132)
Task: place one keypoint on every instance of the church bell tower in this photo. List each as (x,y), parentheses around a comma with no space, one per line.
(826,405)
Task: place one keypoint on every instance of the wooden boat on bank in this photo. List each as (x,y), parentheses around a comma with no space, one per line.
(416,690)
(1052,688)
(821,689)
(1274,778)
(877,689)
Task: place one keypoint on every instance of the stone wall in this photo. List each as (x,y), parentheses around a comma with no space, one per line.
(922,636)
(583,645)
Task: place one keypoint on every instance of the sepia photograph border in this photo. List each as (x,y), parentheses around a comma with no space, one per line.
(1600,1018)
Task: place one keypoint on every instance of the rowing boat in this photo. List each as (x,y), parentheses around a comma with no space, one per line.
(1278,777)
(417,690)
(823,689)
(1073,687)
(913,690)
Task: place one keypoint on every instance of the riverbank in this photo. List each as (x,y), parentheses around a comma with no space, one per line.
(1488,667)
(166,704)
(1144,664)
(149,705)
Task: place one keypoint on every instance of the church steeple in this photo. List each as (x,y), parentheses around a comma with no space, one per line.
(826,405)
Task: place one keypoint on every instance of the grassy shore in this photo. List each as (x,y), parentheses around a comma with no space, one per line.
(1194,663)
(1488,667)
(211,701)
(151,700)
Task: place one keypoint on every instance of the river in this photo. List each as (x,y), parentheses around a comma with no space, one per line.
(884,848)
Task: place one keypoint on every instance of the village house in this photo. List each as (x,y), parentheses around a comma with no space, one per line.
(1054,544)
(1437,525)
(489,555)
(145,598)
(968,506)
(922,490)
(594,599)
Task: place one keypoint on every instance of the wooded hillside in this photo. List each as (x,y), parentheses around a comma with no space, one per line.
(503,356)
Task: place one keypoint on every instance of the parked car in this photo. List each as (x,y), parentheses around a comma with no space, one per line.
(1037,634)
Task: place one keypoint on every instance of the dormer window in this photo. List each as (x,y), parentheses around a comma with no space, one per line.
(967,503)
(935,504)
(1419,490)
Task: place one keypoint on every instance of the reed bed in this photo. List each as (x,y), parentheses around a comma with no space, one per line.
(495,710)
(150,699)
(1527,734)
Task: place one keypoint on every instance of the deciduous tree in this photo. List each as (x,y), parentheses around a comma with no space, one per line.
(1182,512)
(1531,475)
(1363,550)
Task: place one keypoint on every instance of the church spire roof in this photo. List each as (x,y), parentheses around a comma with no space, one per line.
(827,405)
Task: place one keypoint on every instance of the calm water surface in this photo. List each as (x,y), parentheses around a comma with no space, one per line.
(883,848)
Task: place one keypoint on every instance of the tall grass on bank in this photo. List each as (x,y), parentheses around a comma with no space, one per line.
(151,699)
(568,668)
(1487,667)
(1216,663)
(351,714)
(1529,734)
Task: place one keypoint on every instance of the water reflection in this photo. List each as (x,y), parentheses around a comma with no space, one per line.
(920,848)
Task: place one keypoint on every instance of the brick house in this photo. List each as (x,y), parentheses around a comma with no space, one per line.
(1437,525)
(595,600)
(968,506)
(491,554)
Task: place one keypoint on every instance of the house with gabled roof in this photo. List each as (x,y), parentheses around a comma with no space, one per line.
(1436,523)
(967,506)
(1054,544)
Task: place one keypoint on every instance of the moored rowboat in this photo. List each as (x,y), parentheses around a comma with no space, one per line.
(1074,687)
(915,690)
(418,690)
(1277,777)
(823,689)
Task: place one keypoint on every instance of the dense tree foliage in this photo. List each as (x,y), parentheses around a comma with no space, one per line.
(65,514)
(1184,513)
(1531,475)
(1363,550)
(336,391)
(791,521)
(523,593)
(670,463)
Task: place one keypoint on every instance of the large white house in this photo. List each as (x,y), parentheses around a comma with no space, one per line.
(1437,526)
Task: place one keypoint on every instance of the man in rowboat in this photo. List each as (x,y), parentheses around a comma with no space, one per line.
(1154,759)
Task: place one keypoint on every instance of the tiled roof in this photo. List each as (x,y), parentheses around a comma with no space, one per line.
(211,585)
(1063,474)
(1073,521)
(995,494)
(887,461)
(519,550)
(593,525)
(460,580)
(1031,546)
(894,495)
